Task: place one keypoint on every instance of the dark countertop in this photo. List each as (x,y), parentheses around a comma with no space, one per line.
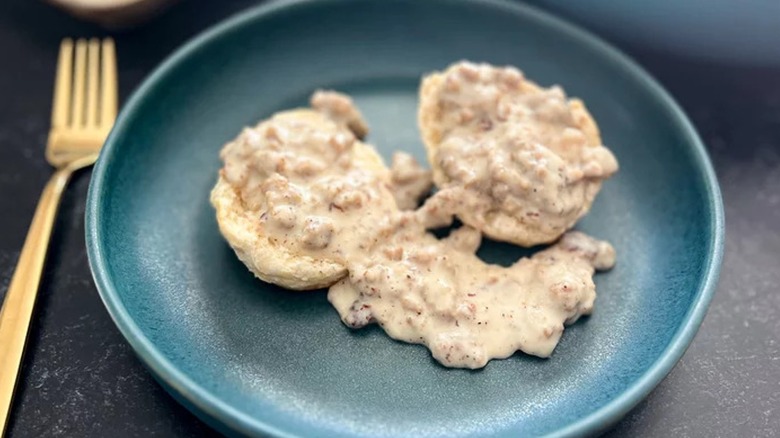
(81,378)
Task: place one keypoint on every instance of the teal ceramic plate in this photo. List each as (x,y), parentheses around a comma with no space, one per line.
(253,359)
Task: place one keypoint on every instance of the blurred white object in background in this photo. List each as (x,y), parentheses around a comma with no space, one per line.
(113,14)
(746,31)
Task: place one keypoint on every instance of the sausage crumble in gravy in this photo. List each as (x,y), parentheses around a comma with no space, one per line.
(309,186)
(518,162)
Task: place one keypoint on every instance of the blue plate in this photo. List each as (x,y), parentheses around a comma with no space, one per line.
(253,359)
(722,30)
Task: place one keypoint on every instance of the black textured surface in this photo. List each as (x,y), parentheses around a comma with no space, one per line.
(80,377)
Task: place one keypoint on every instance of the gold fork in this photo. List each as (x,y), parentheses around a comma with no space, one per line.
(83,111)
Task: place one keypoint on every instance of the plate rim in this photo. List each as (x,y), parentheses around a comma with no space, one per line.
(215,408)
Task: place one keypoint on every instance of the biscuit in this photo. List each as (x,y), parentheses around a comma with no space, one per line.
(519,162)
(269,195)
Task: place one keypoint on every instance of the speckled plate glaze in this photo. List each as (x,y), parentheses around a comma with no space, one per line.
(252,359)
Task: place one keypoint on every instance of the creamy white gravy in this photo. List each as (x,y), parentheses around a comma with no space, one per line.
(438,293)
(322,193)
(409,181)
(316,189)
(340,108)
(519,162)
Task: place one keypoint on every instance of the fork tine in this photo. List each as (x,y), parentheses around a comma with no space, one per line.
(62,86)
(108,85)
(79,82)
(93,80)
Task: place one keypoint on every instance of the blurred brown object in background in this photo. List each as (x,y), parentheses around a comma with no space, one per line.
(114,14)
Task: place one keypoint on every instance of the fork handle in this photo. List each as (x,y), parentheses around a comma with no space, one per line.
(16,313)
